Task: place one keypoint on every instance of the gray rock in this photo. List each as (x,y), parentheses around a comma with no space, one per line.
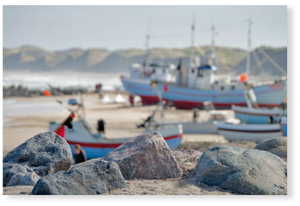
(187,155)
(21,179)
(9,170)
(45,153)
(244,171)
(90,179)
(146,156)
(276,145)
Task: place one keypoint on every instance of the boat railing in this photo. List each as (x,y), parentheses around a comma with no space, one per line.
(208,106)
(262,83)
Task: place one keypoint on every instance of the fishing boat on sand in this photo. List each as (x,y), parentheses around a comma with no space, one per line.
(249,132)
(283,124)
(95,143)
(253,114)
(189,87)
(203,127)
(258,123)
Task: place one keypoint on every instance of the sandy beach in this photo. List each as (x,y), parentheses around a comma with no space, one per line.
(121,121)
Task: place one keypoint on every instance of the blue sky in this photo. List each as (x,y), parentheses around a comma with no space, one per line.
(123,27)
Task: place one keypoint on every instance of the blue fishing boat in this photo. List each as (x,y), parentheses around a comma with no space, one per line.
(189,87)
(283,124)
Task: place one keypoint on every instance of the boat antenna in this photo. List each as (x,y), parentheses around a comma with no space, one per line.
(147,42)
(248,47)
(193,39)
(213,48)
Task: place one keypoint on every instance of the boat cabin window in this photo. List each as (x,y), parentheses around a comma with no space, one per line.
(200,73)
(232,87)
(222,87)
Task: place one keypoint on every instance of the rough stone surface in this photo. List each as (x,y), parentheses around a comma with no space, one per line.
(190,155)
(146,156)
(187,160)
(45,153)
(89,179)
(21,179)
(276,145)
(244,171)
(9,170)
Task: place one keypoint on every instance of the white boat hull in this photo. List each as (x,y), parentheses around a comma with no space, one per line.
(256,116)
(249,132)
(194,127)
(96,145)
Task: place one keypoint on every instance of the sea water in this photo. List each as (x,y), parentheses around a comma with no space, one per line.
(40,81)
(11,107)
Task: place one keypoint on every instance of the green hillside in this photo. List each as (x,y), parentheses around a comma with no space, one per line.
(33,58)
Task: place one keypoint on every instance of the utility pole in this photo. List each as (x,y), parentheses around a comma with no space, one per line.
(192,40)
(249,48)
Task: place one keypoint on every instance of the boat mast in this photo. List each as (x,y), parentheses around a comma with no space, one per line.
(147,42)
(248,47)
(147,49)
(213,55)
(192,40)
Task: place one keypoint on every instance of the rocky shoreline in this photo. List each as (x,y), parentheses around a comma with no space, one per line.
(22,91)
(145,165)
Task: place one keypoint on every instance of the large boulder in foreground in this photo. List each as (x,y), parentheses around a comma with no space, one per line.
(89,179)
(45,153)
(146,156)
(276,145)
(251,172)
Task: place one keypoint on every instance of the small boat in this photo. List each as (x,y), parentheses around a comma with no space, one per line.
(256,115)
(207,127)
(96,145)
(93,141)
(249,132)
(283,124)
(258,123)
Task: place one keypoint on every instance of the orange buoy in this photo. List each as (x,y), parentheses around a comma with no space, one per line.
(47,93)
(243,77)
